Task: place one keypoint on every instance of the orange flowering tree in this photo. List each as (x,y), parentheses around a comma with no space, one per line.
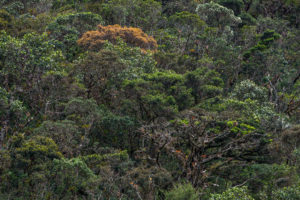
(94,40)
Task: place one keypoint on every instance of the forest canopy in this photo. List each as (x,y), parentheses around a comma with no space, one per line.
(150,99)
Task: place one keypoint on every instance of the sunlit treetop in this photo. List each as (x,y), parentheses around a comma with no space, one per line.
(94,40)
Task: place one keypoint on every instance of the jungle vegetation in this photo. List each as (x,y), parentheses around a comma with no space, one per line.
(150,99)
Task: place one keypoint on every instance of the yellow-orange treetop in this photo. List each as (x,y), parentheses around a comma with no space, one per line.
(94,40)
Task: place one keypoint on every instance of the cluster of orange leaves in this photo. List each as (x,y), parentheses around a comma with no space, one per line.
(94,40)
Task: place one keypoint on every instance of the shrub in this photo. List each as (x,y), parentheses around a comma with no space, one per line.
(240,193)
(182,192)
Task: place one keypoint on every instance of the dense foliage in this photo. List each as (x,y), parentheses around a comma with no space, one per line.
(150,99)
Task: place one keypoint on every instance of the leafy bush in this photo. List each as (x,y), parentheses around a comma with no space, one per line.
(287,193)
(240,193)
(182,192)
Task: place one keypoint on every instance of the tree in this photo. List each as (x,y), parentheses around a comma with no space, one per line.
(4,102)
(148,180)
(17,7)
(27,174)
(287,193)
(144,14)
(84,115)
(24,61)
(116,131)
(135,59)
(216,15)
(206,146)
(66,30)
(55,89)
(286,9)
(103,72)
(77,22)
(240,193)
(160,94)
(94,40)
(248,89)
(288,141)
(236,5)
(27,23)
(84,112)
(5,20)
(65,133)
(205,83)
(100,72)
(170,7)
(112,166)
(188,26)
(266,40)
(13,115)
(72,177)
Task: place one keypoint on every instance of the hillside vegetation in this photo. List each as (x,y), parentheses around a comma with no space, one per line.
(150,99)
